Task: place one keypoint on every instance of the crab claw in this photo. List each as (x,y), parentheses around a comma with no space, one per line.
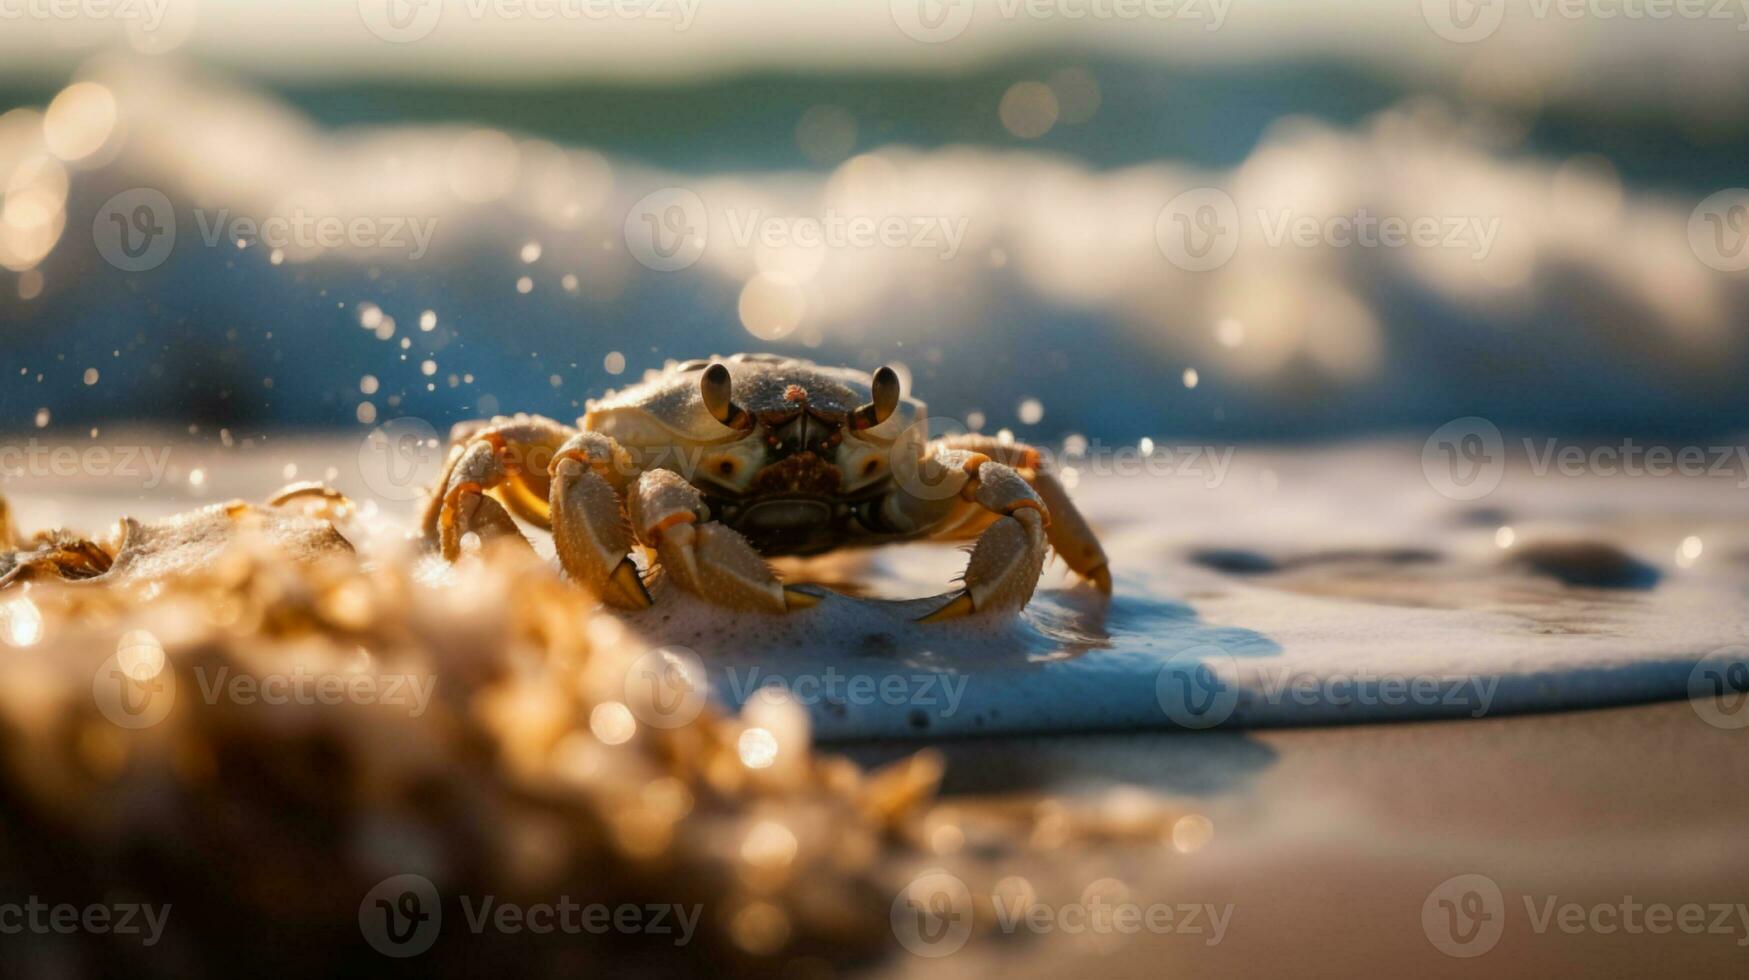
(625,588)
(960,606)
(1101,578)
(1004,569)
(313,499)
(590,532)
(712,560)
(795,598)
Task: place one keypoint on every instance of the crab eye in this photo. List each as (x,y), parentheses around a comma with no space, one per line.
(885,393)
(723,466)
(872,466)
(714,387)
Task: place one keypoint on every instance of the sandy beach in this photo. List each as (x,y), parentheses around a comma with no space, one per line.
(1602,841)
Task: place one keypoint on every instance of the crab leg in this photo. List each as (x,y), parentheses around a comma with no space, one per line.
(1010,553)
(314,499)
(507,457)
(702,556)
(465,508)
(589,478)
(1068,531)
(522,446)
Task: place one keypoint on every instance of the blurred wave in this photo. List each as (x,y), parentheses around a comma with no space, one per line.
(1546,293)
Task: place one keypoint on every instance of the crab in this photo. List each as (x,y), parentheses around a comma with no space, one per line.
(714,466)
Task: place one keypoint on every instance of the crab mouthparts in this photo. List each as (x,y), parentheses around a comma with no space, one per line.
(802,473)
(790,514)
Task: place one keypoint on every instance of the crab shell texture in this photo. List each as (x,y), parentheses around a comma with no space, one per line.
(664,423)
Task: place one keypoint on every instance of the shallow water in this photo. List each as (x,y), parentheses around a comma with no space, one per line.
(1308,588)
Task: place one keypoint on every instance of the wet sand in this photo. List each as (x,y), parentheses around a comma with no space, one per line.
(1328,842)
